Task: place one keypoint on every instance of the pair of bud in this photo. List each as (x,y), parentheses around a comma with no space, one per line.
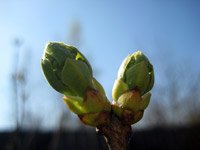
(70,73)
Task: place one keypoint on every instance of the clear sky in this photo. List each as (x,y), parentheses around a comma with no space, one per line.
(163,30)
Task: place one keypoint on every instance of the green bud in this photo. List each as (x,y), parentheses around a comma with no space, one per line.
(66,69)
(70,73)
(131,89)
(136,72)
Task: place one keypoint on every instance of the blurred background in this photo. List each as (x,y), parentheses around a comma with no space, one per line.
(168,32)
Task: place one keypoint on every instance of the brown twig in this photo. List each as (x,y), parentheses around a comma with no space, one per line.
(116,134)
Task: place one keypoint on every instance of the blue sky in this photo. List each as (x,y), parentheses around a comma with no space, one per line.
(163,30)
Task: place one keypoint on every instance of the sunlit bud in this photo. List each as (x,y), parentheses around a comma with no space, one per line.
(66,69)
(136,72)
(131,88)
(70,73)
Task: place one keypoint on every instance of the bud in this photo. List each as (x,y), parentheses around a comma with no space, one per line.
(131,89)
(70,73)
(66,69)
(136,72)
